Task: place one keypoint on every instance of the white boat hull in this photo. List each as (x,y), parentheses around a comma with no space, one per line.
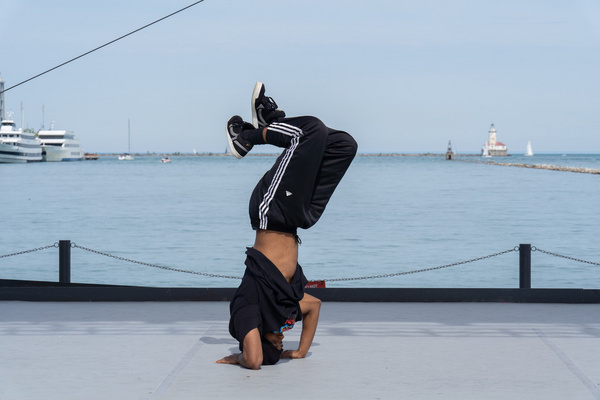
(57,154)
(16,154)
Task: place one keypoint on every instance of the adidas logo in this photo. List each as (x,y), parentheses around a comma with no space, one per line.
(288,194)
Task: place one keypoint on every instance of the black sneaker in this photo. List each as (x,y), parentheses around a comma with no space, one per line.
(238,146)
(264,109)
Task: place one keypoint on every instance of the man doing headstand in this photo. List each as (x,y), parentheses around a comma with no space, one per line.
(291,195)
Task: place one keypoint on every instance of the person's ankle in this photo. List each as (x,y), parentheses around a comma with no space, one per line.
(275,116)
(254,136)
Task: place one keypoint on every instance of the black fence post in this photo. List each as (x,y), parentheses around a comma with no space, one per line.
(64,261)
(525,266)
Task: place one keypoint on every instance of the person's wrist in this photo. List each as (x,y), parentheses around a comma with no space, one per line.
(301,353)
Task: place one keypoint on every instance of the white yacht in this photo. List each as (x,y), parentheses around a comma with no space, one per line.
(59,145)
(126,157)
(16,145)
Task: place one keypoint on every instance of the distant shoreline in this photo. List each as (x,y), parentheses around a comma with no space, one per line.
(276,154)
(358,155)
(476,159)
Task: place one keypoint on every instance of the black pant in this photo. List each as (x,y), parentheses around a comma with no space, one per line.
(294,192)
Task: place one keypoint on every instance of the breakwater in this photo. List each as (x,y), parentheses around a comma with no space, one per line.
(581,170)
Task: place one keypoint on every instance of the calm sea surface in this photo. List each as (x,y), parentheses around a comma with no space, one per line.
(389,215)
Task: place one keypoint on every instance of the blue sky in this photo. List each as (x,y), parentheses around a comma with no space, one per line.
(400,76)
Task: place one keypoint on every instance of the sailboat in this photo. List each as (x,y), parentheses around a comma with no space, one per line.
(127,156)
(528,151)
(485,152)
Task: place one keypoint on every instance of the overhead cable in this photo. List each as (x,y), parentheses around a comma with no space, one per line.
(104,45)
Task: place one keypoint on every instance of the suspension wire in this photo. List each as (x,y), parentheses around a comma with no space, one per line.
(562,256)
(29,251)
(516,248)
(74,245)
(104,45)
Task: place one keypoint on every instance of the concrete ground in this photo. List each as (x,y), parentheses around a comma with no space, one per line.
(151,350)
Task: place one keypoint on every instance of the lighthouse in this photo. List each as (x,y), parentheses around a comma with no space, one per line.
(494,147)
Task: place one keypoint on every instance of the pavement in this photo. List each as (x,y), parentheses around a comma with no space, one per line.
(166,350)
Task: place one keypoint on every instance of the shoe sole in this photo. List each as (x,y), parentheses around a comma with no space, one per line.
(231,146)
(257,88)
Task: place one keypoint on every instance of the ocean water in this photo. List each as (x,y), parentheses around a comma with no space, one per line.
(389,215)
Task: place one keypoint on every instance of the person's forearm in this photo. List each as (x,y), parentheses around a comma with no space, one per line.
(247,363)
(251,356)
(309,327)
(242,360)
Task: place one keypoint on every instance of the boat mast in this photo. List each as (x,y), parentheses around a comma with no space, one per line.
(1,99)
(128,137)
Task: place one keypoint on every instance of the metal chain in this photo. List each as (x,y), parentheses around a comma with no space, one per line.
(516,248)
(327,280)
(30,251)
(533,248)
(421,270)
(155,265)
